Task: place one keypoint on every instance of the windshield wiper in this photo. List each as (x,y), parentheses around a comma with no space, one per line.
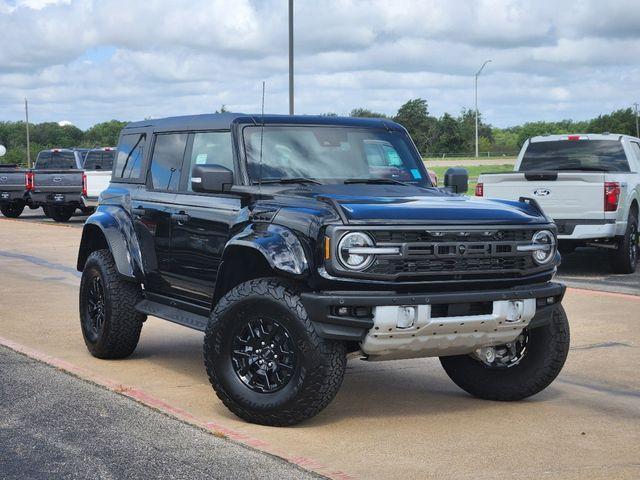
(375,181)
(288,180)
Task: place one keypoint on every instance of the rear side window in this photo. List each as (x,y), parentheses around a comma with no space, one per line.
(166,162)
(586,155)
(211,148)
(98,160)
(129,156)
(55,160)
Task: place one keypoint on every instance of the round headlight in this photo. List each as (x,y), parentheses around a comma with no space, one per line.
(546,242)
(348,247)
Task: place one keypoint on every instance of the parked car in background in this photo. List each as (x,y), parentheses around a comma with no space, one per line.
(15,184)
(292,242)
(97,165)
(589,185)
(57,183)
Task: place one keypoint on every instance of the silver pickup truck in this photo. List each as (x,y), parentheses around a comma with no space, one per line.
(57,183)
(588,183)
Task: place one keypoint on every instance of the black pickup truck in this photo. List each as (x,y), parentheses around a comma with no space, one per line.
(291,242)
(58,182)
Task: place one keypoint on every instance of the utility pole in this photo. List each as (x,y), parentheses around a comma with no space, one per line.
(637,129)
(477,75)
(26,114)
(290,57)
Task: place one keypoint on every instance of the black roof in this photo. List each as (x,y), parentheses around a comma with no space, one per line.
(215,121)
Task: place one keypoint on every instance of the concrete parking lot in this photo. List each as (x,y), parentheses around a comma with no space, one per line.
(401,419)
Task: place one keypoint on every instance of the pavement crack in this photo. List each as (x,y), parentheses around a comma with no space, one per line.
(601,345)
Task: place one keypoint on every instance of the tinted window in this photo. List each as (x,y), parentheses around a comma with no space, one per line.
(56,160)
(636,149)
(211,148)
(595,155)
(166,161)
(98,160)
(332,154)
(129,156)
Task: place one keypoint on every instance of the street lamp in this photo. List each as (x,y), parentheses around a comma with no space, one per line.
(477,75)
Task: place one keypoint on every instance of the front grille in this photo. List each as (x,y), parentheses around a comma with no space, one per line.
(432,254)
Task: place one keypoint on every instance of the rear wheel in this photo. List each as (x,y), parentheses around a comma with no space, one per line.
(264,358)
(625,258)
(12,210)
(109,320)
(61,213)
(517,370)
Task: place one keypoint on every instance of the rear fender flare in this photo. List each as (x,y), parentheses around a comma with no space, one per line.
(278,245)
(118,231)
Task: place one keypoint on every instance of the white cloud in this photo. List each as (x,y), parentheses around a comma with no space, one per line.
(91,60)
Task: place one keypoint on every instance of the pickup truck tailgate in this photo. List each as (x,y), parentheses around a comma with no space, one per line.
(59,181)
(11,180)
(572,195)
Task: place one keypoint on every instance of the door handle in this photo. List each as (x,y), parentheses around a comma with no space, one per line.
(180,217)
(138,211)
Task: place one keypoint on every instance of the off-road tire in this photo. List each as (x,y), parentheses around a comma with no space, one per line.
(546,353)
(320,365)
(625,258)
(61,214)
(120,332)
(45,210)
(12,210)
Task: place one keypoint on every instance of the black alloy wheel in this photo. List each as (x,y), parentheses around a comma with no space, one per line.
(263,355)
(96,309)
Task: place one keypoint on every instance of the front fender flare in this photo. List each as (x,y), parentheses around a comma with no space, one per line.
(117,228)
(279,246)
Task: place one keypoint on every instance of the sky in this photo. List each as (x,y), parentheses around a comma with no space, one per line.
(88,61)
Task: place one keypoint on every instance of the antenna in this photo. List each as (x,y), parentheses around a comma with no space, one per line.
(261,139)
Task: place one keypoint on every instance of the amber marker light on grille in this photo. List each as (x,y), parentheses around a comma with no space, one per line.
(327,248)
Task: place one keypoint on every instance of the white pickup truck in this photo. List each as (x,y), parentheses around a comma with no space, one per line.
(97,165)
(588,183)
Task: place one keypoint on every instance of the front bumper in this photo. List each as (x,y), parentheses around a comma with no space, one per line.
(445,323)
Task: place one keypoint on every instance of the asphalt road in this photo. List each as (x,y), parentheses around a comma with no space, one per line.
(54,425)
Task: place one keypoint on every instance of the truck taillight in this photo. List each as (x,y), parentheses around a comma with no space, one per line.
(28,181)
(611,196)
(84,184)
(479,190)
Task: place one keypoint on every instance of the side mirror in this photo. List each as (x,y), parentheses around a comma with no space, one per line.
(211,178)
(457,180)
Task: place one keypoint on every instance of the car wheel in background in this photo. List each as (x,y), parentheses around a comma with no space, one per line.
(12,210)
(61,214)
(625,258)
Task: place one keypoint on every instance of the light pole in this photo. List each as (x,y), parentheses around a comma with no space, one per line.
(637,129)
(477,75)
(290,57)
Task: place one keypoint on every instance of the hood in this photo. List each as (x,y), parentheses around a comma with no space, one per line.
(362,203)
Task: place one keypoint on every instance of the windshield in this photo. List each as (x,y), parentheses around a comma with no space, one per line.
(56,160)
(598,155)
(331,154)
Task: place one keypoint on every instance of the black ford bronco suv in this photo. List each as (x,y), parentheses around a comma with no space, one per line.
(292,241)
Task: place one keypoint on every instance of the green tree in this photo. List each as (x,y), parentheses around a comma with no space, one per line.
(366,113)
(414,116)
(467,121)
(104,134)
(620,121)
(446,135)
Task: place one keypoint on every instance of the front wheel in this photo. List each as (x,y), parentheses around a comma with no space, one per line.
(264,358)
(517,370)
(625,258)
(12,210)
